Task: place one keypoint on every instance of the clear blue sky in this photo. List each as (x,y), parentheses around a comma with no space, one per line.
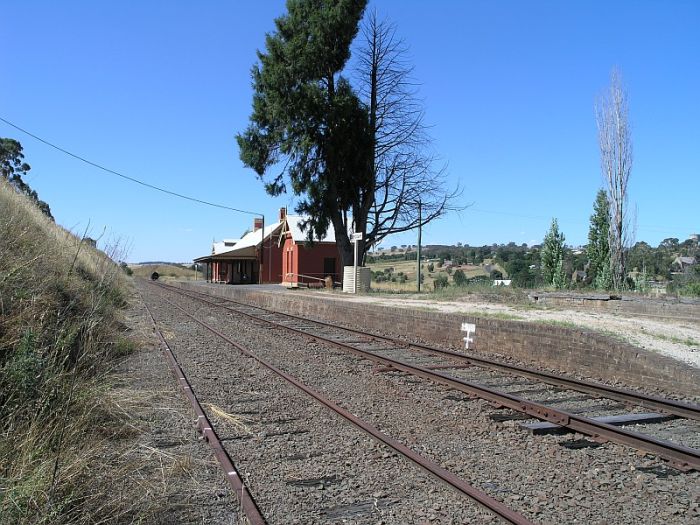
(157,90)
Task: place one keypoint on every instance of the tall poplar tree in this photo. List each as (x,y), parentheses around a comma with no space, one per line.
(615,141)
(598,249)
(308,122)
(552,256)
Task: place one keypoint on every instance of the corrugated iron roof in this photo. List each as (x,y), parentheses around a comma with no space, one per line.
(294,227)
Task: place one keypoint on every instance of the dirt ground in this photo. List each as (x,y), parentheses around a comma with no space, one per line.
(679,339)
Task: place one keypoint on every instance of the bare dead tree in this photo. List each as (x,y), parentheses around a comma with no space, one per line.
(407,173)
(615,141)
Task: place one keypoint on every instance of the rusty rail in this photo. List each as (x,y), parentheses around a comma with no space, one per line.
(664,405)
(424,463)
(683,458)
(245,499)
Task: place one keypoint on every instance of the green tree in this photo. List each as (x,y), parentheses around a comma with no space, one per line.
(459,278)
(440,281)
(307,116)
(598,249)
(552,256)
(13,167)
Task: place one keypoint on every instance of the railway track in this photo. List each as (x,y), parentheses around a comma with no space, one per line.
(206,430)
(549,396)
(248,505)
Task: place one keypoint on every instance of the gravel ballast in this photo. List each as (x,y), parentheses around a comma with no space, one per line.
(550,479)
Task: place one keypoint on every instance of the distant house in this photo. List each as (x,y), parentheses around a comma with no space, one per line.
(681,264)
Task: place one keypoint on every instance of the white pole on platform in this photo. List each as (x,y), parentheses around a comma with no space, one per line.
(356,237)
(354,281)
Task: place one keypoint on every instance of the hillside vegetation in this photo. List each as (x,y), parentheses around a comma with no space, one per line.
(166,271)
(59,332)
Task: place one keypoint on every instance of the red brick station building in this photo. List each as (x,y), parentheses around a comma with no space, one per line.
(273,254)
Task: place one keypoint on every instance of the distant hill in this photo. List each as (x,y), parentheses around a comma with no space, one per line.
(163,263)
(166,270)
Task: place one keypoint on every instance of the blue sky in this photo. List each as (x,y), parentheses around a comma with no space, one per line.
(157,90)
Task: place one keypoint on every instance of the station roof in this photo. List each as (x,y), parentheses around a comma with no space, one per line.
(224,246)
(294,227)
(245,248)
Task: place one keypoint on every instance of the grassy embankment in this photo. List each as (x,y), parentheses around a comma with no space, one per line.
(59,334)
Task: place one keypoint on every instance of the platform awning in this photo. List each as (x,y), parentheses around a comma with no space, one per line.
(246,248)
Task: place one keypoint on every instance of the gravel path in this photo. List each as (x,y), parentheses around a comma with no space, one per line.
(550,479)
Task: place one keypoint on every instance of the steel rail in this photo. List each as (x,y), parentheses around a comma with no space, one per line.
(664,405)
(245,499)
(449,478)
(683,458)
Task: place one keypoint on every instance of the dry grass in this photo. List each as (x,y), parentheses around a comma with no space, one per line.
(410,270)
(238,422)
(59,331)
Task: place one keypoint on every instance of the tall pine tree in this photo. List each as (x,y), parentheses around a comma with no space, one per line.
(308,121)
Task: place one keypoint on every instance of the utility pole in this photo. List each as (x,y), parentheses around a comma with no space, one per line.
(262,250)
(420,226)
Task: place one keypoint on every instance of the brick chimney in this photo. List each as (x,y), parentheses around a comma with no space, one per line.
(257,223)
(283,214)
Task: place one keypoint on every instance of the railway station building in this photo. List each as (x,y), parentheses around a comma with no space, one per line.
(275,253)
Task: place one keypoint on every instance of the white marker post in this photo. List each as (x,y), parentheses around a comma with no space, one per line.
(470,328)
(355,238)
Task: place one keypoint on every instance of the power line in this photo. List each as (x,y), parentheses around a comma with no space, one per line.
(132,179)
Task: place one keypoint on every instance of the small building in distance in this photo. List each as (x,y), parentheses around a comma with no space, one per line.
(681,264)
(273,254)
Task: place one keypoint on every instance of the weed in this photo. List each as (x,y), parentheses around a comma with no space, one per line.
(688,341)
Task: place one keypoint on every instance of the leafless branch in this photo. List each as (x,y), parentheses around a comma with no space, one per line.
(615,141)
(407,174)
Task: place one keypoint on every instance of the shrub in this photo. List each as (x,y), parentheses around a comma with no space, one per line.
(692,289)
(125,267)
(440,282)
(459,278)
(431,267)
